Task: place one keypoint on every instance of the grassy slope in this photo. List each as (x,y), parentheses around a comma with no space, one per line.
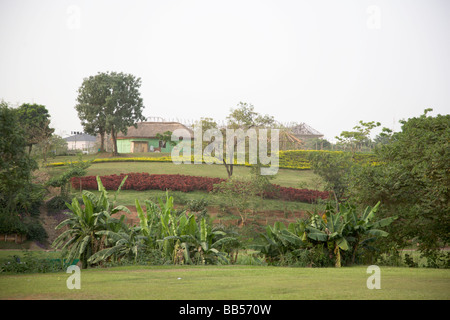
(230,282)
(284,177)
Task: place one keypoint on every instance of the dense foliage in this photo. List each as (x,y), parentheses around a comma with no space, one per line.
(322,239)
(412,181)
(19,197)
(95,236)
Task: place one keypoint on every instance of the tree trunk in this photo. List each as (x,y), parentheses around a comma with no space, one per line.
(44,152)
(114,137)
(337,252)
(355,248)
(229,168)
(102,141)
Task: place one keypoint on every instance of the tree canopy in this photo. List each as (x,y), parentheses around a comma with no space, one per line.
(35,121)
(412,180)
(109,103)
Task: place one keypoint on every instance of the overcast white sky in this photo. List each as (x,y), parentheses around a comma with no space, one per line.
(326,63)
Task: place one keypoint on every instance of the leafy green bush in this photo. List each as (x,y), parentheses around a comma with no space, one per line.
(35,230)
(31,263)
(11,223)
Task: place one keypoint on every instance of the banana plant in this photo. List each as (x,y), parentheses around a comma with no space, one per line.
(81,240)
(149,222)
(331,232)
(361,228)
(199,243)
(127,243)
(278,240)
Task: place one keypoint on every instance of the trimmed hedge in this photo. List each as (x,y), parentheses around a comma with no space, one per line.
(289,159)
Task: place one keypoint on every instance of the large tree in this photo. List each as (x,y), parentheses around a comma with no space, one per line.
(35,121)
(15,163)
(412,180)
(91,100)
(109,103)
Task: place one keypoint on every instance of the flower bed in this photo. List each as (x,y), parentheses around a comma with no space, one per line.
(146,181)
(184,183)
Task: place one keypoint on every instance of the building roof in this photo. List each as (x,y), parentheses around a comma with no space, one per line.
(81,137)
(150,129)
(302,130)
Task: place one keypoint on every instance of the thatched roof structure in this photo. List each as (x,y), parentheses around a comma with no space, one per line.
(288,141)
(150,129)
(303,131)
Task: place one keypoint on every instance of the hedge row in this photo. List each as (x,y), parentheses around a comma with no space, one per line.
(290,159)
(184,183)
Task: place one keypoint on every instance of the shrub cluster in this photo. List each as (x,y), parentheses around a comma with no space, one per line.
(30,262)
(176,182)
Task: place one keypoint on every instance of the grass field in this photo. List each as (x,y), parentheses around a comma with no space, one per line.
(231,283)
(284,177)
(238,282)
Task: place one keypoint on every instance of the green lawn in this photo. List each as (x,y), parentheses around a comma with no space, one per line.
(284,177)
(231,282)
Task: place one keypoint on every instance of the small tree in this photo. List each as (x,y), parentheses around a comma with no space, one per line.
(356,139)
(334,169)
(244,117)
(166,137)
(75,169)
(240,193)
